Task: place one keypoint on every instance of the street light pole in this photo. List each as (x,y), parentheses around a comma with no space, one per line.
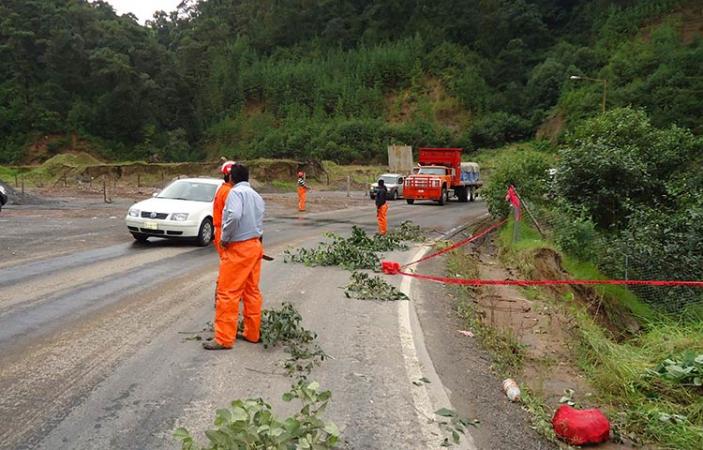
(597,80)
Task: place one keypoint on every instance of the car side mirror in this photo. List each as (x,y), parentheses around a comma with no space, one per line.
(400,181)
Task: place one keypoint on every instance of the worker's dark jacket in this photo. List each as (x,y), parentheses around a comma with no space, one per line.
(381,193)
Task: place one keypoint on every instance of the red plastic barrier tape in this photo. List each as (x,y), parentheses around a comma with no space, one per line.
(456,245)
(394,268)
(388,267)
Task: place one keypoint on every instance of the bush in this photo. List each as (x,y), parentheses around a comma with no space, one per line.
(526,170)
(497,129)
(574,232)
(618,162)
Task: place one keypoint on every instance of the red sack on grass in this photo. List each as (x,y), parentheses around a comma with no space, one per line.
(580,427)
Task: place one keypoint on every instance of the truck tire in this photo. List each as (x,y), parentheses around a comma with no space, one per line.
(443,197)
(410,201)
(394,195)
(462,194)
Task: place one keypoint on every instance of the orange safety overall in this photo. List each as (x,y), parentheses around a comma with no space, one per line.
(302,193)
(240,270)
(218,205)
(382,216)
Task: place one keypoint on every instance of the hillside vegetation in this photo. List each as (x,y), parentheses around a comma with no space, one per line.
(338,79)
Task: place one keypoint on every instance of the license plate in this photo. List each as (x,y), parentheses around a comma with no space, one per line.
(151,225)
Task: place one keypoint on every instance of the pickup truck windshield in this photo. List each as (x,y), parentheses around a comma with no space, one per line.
(188,190)
(432,171)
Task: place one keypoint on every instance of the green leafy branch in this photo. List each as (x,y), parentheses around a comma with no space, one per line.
(251,424)
(454,425)
(365,287)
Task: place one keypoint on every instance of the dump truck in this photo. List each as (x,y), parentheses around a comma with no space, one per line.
(440,175)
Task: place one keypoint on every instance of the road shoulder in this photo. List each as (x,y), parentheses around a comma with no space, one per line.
(466,372)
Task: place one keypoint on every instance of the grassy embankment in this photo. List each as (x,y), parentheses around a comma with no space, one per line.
(277,175)
(646,401)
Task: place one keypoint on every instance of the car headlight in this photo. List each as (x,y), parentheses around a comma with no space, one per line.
(179,217)
(133,213)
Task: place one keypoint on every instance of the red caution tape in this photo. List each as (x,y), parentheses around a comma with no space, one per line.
(482,282)
(458,244)
(394,268)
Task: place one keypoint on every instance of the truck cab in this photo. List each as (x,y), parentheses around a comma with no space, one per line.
(439,175)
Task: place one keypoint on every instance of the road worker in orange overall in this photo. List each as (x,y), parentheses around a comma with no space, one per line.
(218,204)
(240,265)
(382,207)
(302,191)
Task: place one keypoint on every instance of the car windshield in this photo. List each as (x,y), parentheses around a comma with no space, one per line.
(389,180)
(432,171)
(189,190)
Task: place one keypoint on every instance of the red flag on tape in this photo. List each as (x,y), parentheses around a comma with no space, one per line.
(514,200)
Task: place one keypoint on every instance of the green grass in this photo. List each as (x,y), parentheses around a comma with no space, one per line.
(530,239)
(285,186)
(619,370)
(7,174)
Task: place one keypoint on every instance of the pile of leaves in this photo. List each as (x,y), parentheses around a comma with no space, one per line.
(358,251)
(362,286)
(283,327)
(249,424)
(685,370)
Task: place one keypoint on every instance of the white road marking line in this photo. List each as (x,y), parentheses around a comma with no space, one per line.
(429,397)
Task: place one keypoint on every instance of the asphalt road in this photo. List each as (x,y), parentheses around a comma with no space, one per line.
(93,353)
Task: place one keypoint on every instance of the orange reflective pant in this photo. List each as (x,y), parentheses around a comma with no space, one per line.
(302,193)
(240,270)
(216,239)
(382,216)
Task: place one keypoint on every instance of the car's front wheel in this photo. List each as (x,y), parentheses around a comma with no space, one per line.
(205,232)
(140,237)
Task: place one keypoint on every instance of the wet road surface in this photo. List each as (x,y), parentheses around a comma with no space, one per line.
(93,353)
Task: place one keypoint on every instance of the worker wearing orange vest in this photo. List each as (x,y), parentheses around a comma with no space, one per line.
(382,207)
(240,265)
(218,204)
(302,191)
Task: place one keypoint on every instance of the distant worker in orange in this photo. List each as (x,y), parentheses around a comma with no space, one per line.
(302,191)
(218,204)
(382,207)
(240,265)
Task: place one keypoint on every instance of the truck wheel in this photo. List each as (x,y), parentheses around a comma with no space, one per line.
(410,201)
(394,195)
(443,197)
(462,194)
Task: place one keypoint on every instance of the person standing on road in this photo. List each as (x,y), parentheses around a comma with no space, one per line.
(382,207)
(218,204)
(302,191)
(240,266)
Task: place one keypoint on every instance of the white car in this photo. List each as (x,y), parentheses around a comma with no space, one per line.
(183,210)
(394,185)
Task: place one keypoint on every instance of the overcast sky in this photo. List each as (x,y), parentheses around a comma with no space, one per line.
(143,9)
